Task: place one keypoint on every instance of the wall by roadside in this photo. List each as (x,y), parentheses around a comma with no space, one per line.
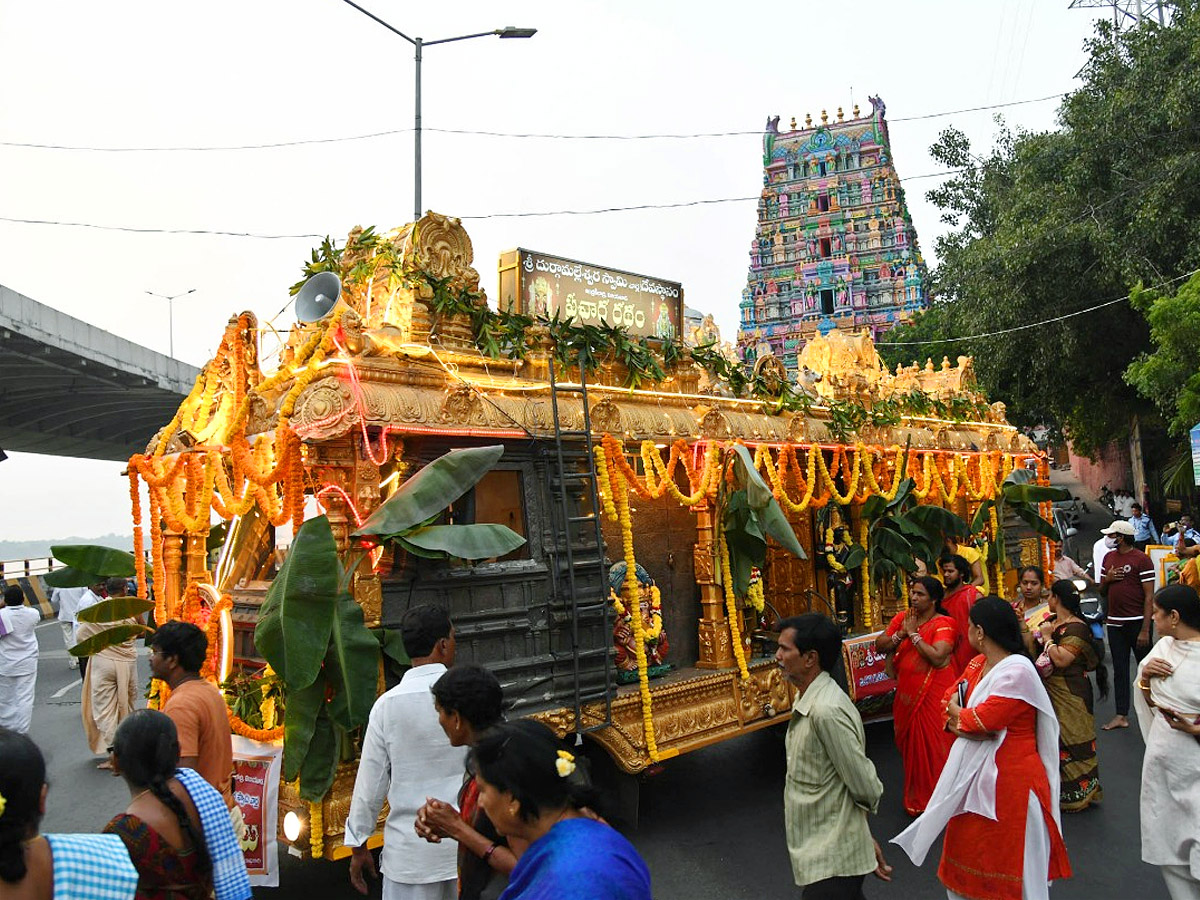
(36,593)
(1112,467)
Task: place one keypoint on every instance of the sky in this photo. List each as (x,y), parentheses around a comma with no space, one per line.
(169,74)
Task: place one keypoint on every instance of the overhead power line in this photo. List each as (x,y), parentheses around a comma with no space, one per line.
(136,230)
(274,145)
(511,215)
(1015,328)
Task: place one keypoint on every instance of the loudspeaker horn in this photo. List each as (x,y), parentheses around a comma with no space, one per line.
(318,297)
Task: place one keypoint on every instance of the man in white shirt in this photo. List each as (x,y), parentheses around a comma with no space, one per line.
(68,600)
(405,758)
(18,660)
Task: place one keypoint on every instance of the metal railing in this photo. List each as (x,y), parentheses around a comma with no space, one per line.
(26,568)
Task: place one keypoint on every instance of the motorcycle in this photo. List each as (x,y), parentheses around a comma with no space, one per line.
(1091,604)
(1107,499)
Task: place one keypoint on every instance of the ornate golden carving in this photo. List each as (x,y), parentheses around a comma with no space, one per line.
(459,405)
(714,425)
(606,417)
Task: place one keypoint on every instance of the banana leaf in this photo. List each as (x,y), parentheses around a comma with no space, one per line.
(404,544)
(300,721)
(980,520)
(936,520)
(855,557)
(760,499)
(297,616)
(391,642)
(482,541)
(110,637)
(69,577)
(116,608)
(1040,525)
(1034,493)
(320,763)
(430,491)
(351,666)
(103,561)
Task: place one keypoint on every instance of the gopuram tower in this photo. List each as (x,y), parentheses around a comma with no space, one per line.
(834,246)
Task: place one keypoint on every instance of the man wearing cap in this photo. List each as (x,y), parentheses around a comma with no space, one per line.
(1127,580)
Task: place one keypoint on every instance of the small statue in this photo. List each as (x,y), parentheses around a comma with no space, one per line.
(841,580)
(650,612)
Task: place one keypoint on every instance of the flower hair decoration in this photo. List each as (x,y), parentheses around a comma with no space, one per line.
(4,802)
(565,764)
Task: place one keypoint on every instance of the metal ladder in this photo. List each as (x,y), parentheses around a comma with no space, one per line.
(559,480)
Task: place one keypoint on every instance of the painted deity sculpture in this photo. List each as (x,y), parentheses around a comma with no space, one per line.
(650,612)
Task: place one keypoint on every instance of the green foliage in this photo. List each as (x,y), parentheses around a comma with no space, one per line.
(1058,222)
(407,516)
(109,637)
(245,694)
(296,618)
(1169,375)
(748,515)
(114,609)
(325,258)
(88,564)
(312,634)
(720,368)
(1020,496)
(901,530)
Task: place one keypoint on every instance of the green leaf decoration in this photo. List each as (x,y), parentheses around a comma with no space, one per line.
(430,491)
(351,666)
(776,525)
(69,577)
(1040,525)
(303,707)
(297,616)
(854,557)
(391,641)
(874,507)
(116,608)
(482,541)
(980,520)
(320,763)
(936,519)
(1034,493)
(757,491)
(770,515)
(104,561)
(404,544)
(110,637)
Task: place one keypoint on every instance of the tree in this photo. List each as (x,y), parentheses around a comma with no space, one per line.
(1169,376)
(1058,223)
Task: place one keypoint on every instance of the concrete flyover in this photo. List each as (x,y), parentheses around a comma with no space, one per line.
(70,389)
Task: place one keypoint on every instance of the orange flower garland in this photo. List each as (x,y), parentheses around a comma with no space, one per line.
(266,735)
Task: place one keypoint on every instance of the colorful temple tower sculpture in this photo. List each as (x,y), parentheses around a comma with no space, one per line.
(835,245)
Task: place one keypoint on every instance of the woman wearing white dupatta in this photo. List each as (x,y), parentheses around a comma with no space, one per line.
(997,797)
(1169,681)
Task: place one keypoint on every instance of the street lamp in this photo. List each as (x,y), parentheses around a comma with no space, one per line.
(171,313)
(419,44)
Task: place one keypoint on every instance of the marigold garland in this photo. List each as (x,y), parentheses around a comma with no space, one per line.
(865,578)
(653,630)
(620,496)
(265,735)
(316,829)
(735,634)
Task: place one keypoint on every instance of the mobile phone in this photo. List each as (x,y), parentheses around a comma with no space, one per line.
(962,693)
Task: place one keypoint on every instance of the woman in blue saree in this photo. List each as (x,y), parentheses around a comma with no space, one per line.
(534,790)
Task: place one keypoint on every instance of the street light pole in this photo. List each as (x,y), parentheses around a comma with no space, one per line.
(171,314)
(419,44)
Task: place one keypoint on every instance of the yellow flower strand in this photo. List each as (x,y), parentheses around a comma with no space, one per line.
(756,596)
(865,578)
(731,605)
(316,829)
(890,494)
(653,631)
(621,499)
(851,478)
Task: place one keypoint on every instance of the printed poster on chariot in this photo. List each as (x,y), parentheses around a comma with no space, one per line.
(542,285)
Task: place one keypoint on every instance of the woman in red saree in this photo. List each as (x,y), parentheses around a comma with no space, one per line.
(921,642)
(997,798)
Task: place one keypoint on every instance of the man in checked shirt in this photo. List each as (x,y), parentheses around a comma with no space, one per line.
(831,786)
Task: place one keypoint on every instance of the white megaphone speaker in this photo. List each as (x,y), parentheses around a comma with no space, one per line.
(318,297)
